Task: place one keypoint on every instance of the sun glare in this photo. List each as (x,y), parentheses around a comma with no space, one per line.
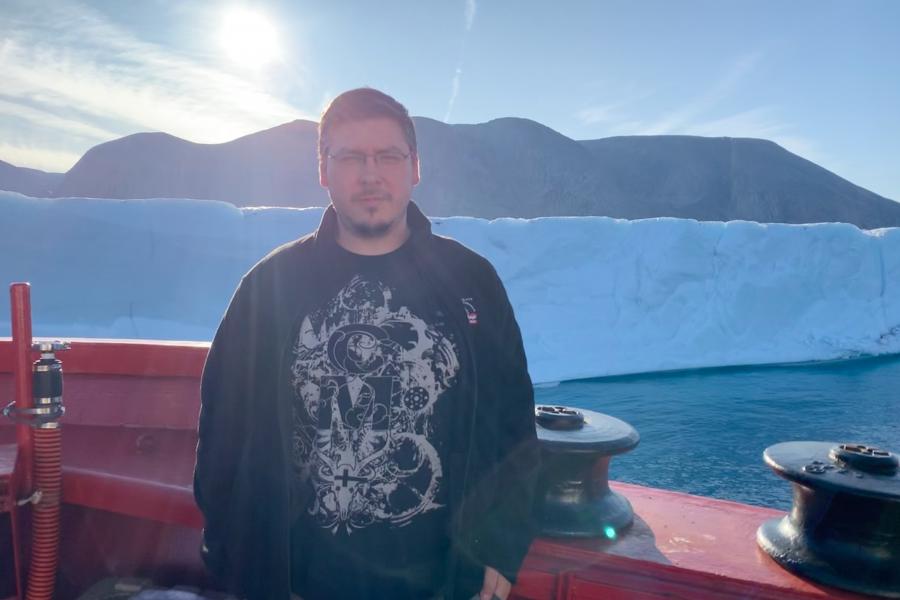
(249,38)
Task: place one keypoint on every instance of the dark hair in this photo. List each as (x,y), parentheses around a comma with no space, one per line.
(361,104)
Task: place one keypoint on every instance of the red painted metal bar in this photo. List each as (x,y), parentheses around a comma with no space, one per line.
(20,302)
(22,484)
(142,358)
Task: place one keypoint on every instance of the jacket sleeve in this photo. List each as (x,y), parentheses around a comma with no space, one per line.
(505,530)
(233,403)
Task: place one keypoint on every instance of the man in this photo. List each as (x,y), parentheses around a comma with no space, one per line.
(367,423)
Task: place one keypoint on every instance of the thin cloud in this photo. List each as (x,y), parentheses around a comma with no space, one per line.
(692,118)
(616,112)
(35,157)
(628,127)
(72,58)
(454,92)
(678,119)
(594,115)
(760,122)
(757,121)
(471,9)
(38,117)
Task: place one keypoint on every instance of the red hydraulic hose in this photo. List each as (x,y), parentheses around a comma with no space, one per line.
(45,534)
(40,459)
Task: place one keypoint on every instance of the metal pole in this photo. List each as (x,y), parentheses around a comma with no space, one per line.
(20,302)
(23,481)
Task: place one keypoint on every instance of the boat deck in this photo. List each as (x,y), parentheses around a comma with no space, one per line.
(128,452)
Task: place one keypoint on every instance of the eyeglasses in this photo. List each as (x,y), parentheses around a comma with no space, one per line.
(384,159)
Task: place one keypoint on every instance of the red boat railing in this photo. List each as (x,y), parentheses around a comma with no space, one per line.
(128,510)
(130,435)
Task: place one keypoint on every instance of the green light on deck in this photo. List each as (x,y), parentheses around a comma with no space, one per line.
(609,532)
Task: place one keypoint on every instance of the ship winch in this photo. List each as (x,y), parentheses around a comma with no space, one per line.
(844,527)
(573,496)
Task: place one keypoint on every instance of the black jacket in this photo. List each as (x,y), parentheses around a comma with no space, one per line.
(243,481)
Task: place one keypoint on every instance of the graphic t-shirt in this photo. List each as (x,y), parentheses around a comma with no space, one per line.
(373,373)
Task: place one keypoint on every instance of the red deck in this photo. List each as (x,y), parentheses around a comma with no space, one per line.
(128,452)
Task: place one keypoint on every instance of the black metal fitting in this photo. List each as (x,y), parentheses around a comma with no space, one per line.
(47,390)
(844,527)
(573,494)
(865,458)
(558,417)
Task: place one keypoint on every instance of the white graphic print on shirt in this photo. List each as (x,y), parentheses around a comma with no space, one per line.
(366,376)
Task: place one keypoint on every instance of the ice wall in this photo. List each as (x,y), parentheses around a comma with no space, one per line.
(594,296)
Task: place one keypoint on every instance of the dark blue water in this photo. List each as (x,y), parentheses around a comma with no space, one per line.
(704,432)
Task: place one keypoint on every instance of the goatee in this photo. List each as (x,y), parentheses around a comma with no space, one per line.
(364,229)
(368,230)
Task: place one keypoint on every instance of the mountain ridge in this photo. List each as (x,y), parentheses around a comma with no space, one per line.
(506,167)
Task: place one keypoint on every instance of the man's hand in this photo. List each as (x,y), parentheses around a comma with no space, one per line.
(495,585)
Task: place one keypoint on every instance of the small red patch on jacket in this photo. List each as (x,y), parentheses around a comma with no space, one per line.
(471,313)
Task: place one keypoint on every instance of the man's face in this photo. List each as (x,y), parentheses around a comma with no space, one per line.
(369,172)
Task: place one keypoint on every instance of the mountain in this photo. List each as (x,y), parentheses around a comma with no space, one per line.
(274,167)
(506,167)
(30,182)
(516,167)
(731,178)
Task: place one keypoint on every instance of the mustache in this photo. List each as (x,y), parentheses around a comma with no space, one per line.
(380,194)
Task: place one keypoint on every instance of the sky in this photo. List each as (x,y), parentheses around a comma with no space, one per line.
(819,77)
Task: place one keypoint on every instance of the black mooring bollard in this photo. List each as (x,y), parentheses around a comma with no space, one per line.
(574,499)
(844,527)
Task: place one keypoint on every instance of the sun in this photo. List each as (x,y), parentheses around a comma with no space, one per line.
(249,38)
